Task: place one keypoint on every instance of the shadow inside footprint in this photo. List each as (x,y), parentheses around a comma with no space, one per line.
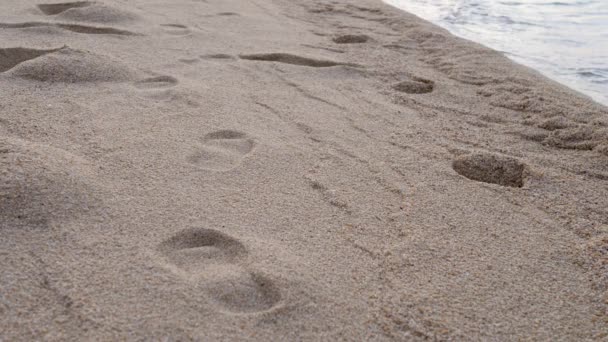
(415,86)
(157,82)
(287,58)
(228,14)
(176,29)
(243,292)
(192,247)
(351,39)
(491,168)
(11,57)
(53,9)
(85,29)
(223,56)
(222,150)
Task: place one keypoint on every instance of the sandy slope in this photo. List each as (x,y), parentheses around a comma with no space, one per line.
(289,170)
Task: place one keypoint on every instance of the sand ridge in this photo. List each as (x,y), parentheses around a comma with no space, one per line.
(289,170)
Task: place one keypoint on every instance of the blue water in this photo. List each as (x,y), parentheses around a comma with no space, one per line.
(566,40)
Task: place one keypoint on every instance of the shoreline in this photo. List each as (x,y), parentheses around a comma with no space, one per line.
(528,48)
(290,170)
(531,69)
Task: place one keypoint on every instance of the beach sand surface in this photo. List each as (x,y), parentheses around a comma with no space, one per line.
(271,170)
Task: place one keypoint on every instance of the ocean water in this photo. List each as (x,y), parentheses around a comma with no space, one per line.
(566,40)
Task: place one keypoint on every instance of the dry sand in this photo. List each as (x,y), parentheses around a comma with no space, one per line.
(289,170)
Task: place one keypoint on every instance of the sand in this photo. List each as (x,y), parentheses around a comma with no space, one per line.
(289,170)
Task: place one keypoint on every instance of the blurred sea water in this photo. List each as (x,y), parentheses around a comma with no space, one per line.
(566,40)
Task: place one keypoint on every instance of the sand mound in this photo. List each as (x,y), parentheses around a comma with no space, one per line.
(39,183)
(89,11)
(491,168)
(72,66)
(97,13)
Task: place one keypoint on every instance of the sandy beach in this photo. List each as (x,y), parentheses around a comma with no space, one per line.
(285,170)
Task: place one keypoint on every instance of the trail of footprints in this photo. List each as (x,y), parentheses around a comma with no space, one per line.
(50,65)
(210,255)
(218,260)
(413,86)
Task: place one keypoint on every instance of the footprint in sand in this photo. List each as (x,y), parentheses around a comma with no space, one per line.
(217,56)
(176,29)
(192,248)
(157,82)
(351,39)
(215,259)
(288,58)
(222,150)
(228,14)
(238,291)
(416,85)
(491,168)
(53,9)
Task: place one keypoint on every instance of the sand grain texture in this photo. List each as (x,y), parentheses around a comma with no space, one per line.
(289,170)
